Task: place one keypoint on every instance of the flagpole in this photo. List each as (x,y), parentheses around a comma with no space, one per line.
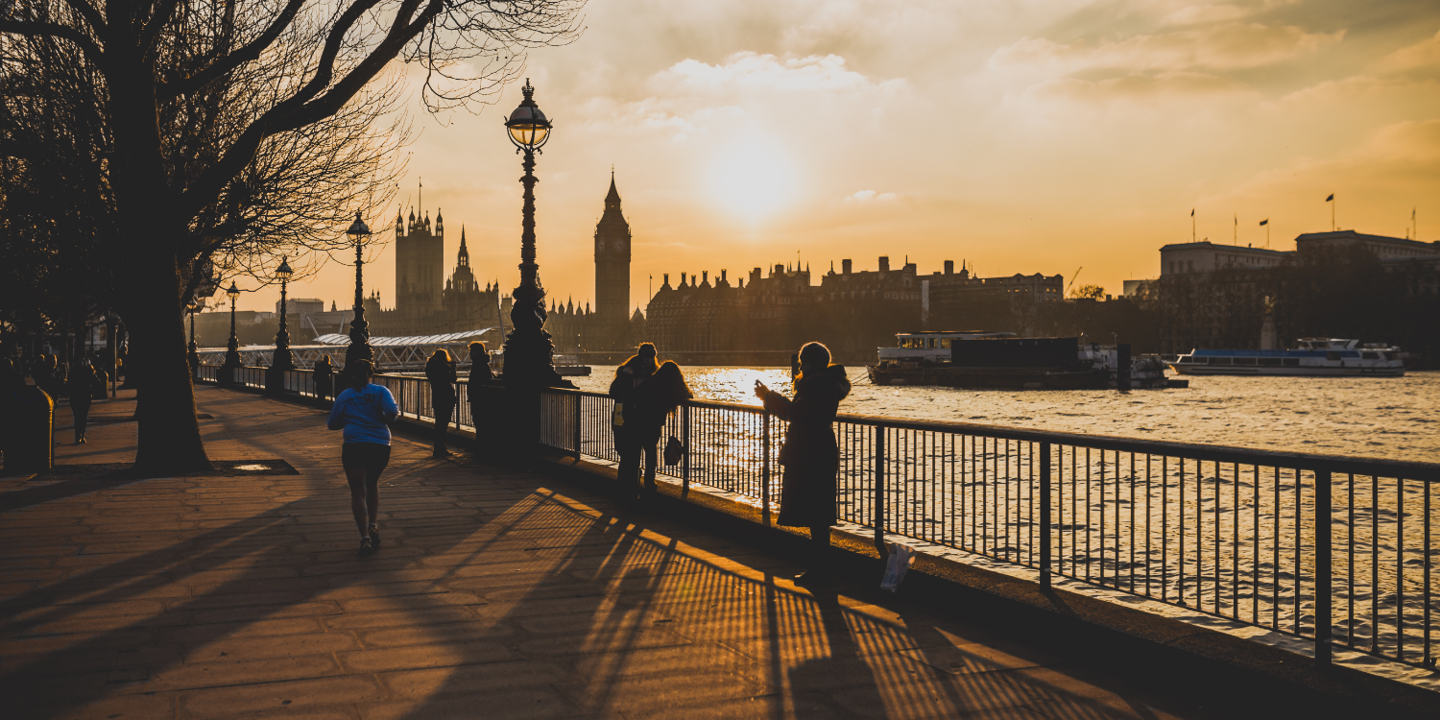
(1236,239)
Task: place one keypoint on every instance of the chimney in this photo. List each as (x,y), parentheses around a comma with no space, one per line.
(704,277)
(845,267)
(667,280)
(949,267)
(884,263)
(722,276)
(754,276)
(682,279)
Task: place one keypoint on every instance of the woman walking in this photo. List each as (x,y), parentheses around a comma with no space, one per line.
(81,386)
(366,412)
(645,393)
(810,455)
(440,371)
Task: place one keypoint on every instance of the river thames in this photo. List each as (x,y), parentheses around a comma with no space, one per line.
(1389,418)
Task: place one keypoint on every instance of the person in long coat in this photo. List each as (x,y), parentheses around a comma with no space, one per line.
(480,376)
(810,455)
(440,371)
(80,384)
(324,378)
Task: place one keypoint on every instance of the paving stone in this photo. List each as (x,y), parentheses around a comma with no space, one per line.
(272,697)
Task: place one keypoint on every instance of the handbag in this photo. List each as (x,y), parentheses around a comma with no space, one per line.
(617,416)
(674,450)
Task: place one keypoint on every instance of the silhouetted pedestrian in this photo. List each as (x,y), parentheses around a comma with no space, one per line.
(366,411)
(440,371)
(324,378)
(80,384)
(480,376)
(645,393)
(101,390)
(810,455)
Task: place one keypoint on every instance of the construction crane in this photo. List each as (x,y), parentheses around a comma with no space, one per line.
(1076,274)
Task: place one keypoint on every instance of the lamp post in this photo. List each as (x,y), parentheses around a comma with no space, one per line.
(359,348)
(283,359)
(194,354)
(232,348)
(528,349)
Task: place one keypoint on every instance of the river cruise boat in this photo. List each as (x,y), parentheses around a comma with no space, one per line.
(1003,361)
(1333,357)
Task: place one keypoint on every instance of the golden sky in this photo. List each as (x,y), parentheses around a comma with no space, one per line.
(1019,135)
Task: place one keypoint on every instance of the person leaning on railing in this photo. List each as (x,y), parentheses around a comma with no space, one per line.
(324,378)
(810,455)
(440,371)
(480,376)
(645,392)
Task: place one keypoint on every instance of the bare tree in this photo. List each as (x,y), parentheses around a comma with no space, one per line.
(200,103)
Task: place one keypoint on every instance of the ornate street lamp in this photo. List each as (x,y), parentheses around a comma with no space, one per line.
(528,349)
(232,348)
(283,360)
(359,348)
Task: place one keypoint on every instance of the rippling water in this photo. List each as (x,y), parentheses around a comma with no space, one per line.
(1390,418)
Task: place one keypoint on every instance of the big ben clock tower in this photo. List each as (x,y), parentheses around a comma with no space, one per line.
(612,274)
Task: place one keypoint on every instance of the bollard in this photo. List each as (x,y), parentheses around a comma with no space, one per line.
(30,442)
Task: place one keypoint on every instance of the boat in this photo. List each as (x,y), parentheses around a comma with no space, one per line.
(1004,361)
(1324,357)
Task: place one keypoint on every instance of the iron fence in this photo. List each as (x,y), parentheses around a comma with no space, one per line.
(1336,550)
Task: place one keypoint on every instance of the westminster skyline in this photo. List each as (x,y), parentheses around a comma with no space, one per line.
(1038,138)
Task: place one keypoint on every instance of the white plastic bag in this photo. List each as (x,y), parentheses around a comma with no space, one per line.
(895,567)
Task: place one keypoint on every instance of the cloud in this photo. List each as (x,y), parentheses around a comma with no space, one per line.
(754,73)
(869,197)
(1231,46)
(1420,55)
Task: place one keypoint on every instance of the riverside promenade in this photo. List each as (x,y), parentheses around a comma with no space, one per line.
(499,592)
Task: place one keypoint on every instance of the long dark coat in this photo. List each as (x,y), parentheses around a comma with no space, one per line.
(811,456)
(324,378)
(632,375)
(441,375)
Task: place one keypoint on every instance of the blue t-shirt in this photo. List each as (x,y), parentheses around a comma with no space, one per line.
(364,414)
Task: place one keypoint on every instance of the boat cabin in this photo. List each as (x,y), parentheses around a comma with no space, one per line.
(931,345)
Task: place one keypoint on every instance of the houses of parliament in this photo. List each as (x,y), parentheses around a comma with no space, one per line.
(427,303)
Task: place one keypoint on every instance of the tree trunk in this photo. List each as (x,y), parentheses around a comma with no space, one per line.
(170,441)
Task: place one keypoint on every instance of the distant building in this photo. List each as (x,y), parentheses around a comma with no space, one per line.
(853,312)
(1385,248)
(419,266)
(612,276)
(1205,256)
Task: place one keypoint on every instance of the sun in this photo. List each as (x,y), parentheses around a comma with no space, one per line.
(753,180)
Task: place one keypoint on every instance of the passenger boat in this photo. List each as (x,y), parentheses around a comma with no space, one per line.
(1323,357)
(1001,360)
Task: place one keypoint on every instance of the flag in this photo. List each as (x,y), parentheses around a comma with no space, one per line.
(1192,212)
(1332,197)
(1264,222)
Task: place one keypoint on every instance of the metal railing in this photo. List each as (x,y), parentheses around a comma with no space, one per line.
(1336,550)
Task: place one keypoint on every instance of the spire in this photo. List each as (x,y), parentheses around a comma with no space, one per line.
(612,197)
(464,259)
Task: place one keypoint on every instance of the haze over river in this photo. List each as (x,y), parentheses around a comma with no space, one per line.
(1389,418)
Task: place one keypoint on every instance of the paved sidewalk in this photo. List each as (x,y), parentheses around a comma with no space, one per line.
(497,593)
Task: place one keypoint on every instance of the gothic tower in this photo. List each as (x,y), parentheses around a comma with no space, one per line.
(419,265)
(612,275)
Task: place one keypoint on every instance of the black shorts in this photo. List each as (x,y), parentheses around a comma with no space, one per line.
(370,457)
